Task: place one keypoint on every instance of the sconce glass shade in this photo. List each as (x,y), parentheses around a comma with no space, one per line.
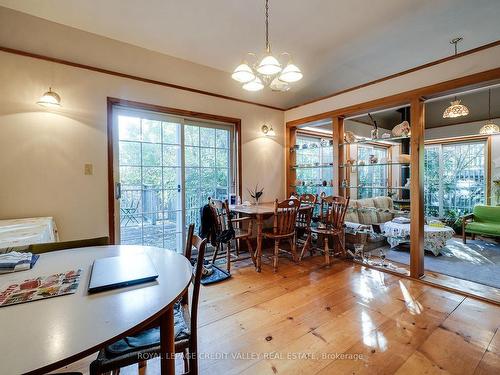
(254,85)
(50,99)
(489,128)
(291,73)
(269,65)
(278,85)
(268,130)
(243,73)
(455,110)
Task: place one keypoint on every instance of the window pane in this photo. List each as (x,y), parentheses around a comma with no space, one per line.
(151,154)
(171,178)
(192,178)
(192,156)
(207,157)
(222,138)
(222,158)
(192,135)
(171,156)
(130,177)
(151,131)
(171,133)
(207,137)
(129,128)
(130,153)
(151,176)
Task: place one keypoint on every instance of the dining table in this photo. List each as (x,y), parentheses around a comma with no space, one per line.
(43,335)
(259,212)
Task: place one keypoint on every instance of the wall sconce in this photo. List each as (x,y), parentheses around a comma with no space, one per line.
(268,130)
(50,99)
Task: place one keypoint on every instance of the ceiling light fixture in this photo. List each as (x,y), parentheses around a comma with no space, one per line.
(268,71)
(50,99)
(489,128)
(456,109)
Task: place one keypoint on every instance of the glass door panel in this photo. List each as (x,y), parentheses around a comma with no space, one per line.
(150,178)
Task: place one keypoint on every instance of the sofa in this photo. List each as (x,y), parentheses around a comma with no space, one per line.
(484,220)
(360,216)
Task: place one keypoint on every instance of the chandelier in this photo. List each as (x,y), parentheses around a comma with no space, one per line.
(268,71)
(455,109)
(489,127)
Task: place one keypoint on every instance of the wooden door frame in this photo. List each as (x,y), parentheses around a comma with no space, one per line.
(112,102)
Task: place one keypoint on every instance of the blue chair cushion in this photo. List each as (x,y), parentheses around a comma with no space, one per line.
(149,338)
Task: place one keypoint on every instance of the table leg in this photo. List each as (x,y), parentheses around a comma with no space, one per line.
(167,345)
(258,251)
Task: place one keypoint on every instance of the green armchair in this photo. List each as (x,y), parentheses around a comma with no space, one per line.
(483,220)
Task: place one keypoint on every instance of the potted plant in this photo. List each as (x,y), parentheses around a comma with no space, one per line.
(256,193)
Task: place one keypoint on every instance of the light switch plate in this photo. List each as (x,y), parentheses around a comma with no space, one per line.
(88,169)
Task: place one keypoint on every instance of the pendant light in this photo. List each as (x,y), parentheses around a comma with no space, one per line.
(267,71)
(50,99)
(455,109)
(489,128)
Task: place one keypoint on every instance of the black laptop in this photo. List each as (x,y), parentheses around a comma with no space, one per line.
(121,271)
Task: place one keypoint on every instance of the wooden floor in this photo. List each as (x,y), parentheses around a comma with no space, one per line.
(346,319)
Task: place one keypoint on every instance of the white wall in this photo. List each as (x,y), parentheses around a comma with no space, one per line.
(42,153)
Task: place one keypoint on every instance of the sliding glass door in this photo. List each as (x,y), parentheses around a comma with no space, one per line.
(165,169)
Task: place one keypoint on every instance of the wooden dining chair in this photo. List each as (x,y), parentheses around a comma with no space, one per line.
(146,344)
(40,248)
(303,223)
(285,216)
(331,225)
(228,229)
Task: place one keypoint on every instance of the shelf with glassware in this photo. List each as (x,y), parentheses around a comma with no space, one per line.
(311,165)
(377,165)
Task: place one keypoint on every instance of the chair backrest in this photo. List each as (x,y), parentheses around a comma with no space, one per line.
(193,240)
(304,215)
(285,215)
(220,211)
(333,210)
(487,214)
(40,248)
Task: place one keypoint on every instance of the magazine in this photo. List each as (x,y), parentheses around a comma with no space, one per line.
(40,287)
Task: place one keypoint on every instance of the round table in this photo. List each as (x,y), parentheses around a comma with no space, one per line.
(434,237)
(43,335)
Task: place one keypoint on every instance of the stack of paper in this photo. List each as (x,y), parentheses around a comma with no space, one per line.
(15,261)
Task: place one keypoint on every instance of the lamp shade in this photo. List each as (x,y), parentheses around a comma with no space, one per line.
(254,85)
(269,65)
(268,130)
(489,128)
(291,73)
(455,110)
(50,99)
(243,73)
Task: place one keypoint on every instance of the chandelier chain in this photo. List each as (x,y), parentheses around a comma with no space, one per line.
(267,26)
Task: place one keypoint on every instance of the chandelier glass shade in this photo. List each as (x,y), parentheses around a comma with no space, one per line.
(455,110)
(489,128)
(268,71)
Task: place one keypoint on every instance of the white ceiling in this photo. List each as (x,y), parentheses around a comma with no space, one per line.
(337,44)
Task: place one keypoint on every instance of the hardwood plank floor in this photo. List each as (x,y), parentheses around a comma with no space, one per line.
(346,319)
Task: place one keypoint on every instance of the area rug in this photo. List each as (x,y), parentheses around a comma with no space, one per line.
(477,260)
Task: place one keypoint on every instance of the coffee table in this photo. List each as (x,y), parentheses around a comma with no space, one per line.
(434,237)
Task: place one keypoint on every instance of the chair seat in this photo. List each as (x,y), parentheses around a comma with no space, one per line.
(150,338)
(490,228)
(325,231)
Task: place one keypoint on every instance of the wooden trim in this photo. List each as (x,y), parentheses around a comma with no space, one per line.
(459,123)
(291,159)
(417,68)
(130,76)
(112,102)
(417,189)
(488,171)
(403,98)
(338,156)
(314,134)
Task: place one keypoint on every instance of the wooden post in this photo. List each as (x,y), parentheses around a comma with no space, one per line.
(291,157)
(167,344)
(338,155)
(417,188)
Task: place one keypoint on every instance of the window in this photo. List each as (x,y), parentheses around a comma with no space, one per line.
(455,178)
(372,180)
(167,168)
